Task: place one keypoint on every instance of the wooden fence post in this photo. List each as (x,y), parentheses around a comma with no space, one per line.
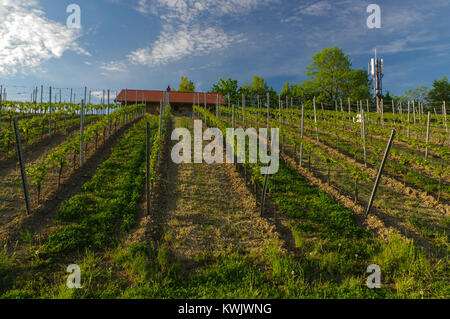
(22,165)
(263,200)
(147,161)
(363,133)
(50,113)
(380,171)
(315,119)
(301,133)
(82,135)
(428,136)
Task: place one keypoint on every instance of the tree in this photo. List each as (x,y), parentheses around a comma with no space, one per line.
(227,87)
(286,91)
(186,85)
(259,86)
(329,71)
(440,91)
(418,94)
(357,85)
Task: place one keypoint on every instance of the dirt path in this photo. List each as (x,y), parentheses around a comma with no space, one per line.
(207,210)
(382,220)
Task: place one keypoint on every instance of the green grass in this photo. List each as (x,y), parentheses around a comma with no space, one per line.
(93,220)
(330,261)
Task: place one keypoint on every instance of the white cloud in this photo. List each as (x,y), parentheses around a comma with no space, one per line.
(188,10)
(98,94)
(320,8)
(113,66)
(28,38)
(187,29)
(144,7)
(172,46)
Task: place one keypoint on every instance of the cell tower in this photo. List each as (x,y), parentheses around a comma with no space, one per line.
(376,70)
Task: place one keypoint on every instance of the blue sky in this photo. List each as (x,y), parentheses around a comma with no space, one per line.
(149,44)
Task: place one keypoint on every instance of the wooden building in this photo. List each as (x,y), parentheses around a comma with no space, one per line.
(181,102)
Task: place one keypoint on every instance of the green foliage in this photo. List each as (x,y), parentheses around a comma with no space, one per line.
(227,87)
(186,85)
(440,91)
(75,208)
(66,239)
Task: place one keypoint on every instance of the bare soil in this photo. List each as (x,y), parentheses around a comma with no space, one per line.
(38,221)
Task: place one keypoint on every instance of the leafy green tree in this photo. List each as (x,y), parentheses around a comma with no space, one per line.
(186,85)
(252,90)
(287,90)
(357,85)
(259,86)
(440,91)
(227,87)
(332,78)
(418,94)
(329,71)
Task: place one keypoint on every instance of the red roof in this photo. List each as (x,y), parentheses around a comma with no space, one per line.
(174,97)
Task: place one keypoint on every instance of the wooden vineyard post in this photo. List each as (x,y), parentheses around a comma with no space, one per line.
(160,117)
(243,109)
(420,110)
(233,119)
(378,104)
(380,171)
(428,136)
(349,107)
(147,175)
(136,99)
(280,107)
(268,109)
(109,118)
(363,133)
(42,94)
(217,106)
(263,199)
(259,106)
(279,110)
(82,134)
(22,165)
(160,126)
(301,133)
(315,120)
(126,103)
(193,104)
(1,91)
(407,127)
(50,113)
(414,112)
(445,121)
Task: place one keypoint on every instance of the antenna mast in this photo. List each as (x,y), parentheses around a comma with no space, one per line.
(376,70)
